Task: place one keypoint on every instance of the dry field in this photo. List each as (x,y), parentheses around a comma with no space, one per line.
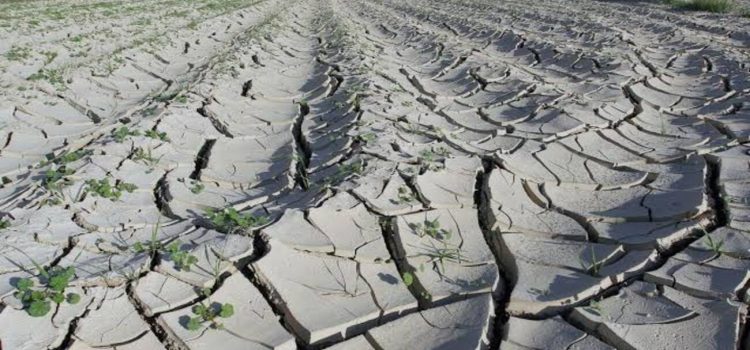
(373,174)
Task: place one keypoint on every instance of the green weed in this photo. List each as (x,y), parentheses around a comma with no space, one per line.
(18,53)
(124,132)
(716,6)
(229,220)
(102,188)
(37,300)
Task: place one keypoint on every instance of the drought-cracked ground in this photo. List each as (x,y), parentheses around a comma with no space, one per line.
(373,174)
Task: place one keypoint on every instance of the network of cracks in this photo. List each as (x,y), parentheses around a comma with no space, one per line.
(380,174)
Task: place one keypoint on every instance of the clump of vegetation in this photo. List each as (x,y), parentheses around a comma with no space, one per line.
(197,187)
(52,76)
(162,136)
(4,224)
(349,169)
(342,172)
(428,158)
(77,39)
(49,56)
(229,220)
(209,313)
(102,188)
(182,258)
(438,254)
(405,195)
(717,6)
(68,157)
(193,25)
(431,228)
(366,138)
(145,156)
(56,179)
(18,53)
(37,300)
(123,132)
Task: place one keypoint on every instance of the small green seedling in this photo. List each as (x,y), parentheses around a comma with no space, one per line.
(182,258)
(102,188)
(4,224)
(428,160)
(197,188)
(229,220)
(146,157)
(56,179)
(408,278)
(354,168)
(124,132)
(595,307)
(211,314)
(68,157)
(404,195)
(37,300)
(53,76)
(431,228)
(595,265)
(441,255)
(366,138)
(715,246)
(162,136)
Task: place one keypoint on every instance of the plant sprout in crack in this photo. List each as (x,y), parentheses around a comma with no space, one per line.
(146,157)
(405,196)
(181,258)
(209,312)
(428,160)
(229,220)
(102,188)
(715,246)
(123,132)
(37,299)
(54,181)
(161,136)
(431,228)
(197,187)
(595,266)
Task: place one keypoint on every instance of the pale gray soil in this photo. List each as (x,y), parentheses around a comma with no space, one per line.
(428,174)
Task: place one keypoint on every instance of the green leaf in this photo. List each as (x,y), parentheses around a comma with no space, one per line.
(58,283)
(24,284)
(194,324)
(200,309)
(58,298)
(37,295)
(227,310)
(408,278)
(39,308)
(138,247)
(73,298)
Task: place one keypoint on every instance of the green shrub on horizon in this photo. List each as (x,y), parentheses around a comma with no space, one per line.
(716,6)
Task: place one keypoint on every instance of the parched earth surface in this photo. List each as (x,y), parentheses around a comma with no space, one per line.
(406,175)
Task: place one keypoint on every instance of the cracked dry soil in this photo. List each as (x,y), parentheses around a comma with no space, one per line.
(424,174)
